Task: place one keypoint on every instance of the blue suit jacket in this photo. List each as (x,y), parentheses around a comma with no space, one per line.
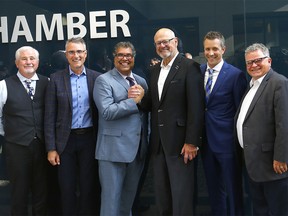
(222,106)
(121,124)
(58,108)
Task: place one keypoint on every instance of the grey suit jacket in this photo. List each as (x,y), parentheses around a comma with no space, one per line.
(121,124)
(265,128)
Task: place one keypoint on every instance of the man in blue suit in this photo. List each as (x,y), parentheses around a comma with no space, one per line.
(122,135)
(70,131)
(225,86)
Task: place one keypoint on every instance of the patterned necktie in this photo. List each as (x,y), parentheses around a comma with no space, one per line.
(30,89)
(131,81)
(209,83)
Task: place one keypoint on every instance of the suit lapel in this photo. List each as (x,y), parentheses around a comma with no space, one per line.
(173,70)
(219,82)
(119,79)
(90,81)
(154,83)
(67,83)
(258,94)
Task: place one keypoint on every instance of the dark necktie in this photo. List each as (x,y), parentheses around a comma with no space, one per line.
(209,83)
(131,81)
(29,88)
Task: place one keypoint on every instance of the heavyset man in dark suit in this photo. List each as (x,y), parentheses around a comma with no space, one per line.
(262,125)
(221,165)
(176,100)
(122,141)
(70,131)
(21,118)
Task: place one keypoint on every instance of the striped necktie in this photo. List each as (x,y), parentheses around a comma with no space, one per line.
(30,89)
(209,83)
(131,81)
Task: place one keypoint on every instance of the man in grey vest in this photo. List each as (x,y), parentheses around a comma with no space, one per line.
(21,123)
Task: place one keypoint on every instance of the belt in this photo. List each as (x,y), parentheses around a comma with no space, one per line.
(80,131)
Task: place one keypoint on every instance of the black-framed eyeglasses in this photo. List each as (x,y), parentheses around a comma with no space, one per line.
(256,61)
(122,55)
(73,52)
(164,42)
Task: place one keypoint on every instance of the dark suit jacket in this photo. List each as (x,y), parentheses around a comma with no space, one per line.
(58,108)
(178,117)
(221,108)
(265,128)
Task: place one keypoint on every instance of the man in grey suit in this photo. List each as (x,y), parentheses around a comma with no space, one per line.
(122,134)
(262,125)
(70,129)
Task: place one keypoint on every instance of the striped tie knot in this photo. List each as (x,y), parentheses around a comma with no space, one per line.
(131,81)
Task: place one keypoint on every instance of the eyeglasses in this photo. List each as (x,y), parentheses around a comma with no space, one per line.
(73,52)
(121,56)
(256,61)
(164,42)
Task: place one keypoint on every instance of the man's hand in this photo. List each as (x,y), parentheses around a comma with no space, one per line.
(53,158)
(136,92)
(279,167)
(189,152)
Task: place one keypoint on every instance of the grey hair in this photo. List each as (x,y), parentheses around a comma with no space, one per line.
(125,44)
(77,40)
(23,49)
(212,35)
(257,46)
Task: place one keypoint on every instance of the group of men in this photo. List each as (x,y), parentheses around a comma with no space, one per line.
(82,115)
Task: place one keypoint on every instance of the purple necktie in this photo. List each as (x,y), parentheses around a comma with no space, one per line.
(131,81)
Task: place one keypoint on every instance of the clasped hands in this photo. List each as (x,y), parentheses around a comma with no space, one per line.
(136,92)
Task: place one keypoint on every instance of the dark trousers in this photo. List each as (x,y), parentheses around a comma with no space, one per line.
(269,198)
(78,176)
(27,173)
(224,182)
(174,184)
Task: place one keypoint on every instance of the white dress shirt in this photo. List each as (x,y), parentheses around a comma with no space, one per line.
(216,71)
(163,75)
(254,85)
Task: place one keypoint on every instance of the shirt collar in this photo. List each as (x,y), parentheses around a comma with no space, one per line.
(72,73)
(170,63)
(22,78)
(218,66)
(259,80)
(124,76)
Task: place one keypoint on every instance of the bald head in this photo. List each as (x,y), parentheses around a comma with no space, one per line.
(164,32)
(166,44)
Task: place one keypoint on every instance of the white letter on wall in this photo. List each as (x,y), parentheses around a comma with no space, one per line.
(41,22)
(71,25)
(21,20)
(94,24)
(4,29)
(122,24)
